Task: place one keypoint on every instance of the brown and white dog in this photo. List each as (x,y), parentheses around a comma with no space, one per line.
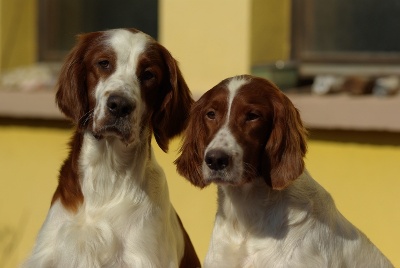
(112,207)
(246,136)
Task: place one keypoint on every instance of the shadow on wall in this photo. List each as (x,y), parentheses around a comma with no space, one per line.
(360,137)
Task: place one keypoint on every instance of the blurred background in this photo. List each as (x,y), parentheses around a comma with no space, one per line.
(338,60)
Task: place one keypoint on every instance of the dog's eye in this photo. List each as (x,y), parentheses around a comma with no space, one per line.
(252,116)
(211,115)
(147,75)
(105,64)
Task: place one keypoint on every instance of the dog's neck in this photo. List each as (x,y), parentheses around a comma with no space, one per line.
(111,152)
(110,171)
(244,205)
(255,208)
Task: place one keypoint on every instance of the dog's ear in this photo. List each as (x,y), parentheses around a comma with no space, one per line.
(189,163)
(283,159)
(71,96)
(171,117)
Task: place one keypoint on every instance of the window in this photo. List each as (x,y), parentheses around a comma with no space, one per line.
(61,20)
(343,31)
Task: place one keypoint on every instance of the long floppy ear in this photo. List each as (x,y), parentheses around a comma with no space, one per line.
(72,97)
(171,118)
(189,163)
(283,159)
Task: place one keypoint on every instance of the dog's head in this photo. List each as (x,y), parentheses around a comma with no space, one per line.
(243,128)
(119,83)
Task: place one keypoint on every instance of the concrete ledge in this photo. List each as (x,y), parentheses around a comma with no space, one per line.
(343,112)
(349,112)
(39,104)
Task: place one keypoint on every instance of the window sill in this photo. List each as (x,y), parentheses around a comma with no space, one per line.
(29,105)
(345,112)
(365,113)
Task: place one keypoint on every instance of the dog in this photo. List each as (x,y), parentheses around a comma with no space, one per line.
(246,136)
(111,207)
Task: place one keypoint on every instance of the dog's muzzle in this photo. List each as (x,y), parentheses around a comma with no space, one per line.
(119,106)
(217,159)
(117,119)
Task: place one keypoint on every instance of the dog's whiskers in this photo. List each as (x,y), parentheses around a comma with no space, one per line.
(86,117)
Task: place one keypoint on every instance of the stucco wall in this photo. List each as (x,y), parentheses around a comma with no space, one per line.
(364,180)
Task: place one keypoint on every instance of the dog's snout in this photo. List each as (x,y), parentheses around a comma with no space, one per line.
(217,159)
(119,106)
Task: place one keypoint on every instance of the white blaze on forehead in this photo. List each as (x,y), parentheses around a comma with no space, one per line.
(224,133)
(128,47)
(233,85)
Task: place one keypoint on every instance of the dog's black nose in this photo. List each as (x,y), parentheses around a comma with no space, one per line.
(217,159)
(119,106)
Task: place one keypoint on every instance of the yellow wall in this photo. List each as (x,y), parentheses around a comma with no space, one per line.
(270,31)
(216,39)
(18,41)
(209,38)
(363,179)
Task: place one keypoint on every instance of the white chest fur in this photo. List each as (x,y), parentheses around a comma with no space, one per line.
(126,210)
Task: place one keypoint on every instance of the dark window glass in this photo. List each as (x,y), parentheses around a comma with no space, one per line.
(61,20)
(346,30)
